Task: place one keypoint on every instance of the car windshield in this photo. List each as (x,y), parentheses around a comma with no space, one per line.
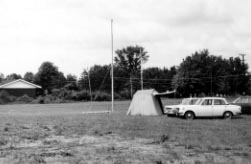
(198,102)
(188,101)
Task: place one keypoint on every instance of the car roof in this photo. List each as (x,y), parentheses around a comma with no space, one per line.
(192,98)
(212,97)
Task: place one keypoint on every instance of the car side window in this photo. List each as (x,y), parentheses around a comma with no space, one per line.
(207,102)
(219,102)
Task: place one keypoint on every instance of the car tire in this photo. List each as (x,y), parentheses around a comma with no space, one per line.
(189,115)
(228,115)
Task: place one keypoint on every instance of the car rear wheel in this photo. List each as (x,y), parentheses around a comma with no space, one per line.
(189,115)
(228,115)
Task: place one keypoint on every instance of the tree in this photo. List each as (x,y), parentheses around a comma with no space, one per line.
(29,76)
(159,78)
(1,77)
(99,78)
(209,74)
(13,76)
(71,78)
(130,59)
(239,79)
(83,80)
(71,82)
(49,77)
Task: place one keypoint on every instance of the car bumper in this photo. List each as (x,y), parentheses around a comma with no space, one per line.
(180,114)
(238,114)
(171,112)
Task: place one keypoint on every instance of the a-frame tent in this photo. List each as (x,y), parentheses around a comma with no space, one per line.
(147,103)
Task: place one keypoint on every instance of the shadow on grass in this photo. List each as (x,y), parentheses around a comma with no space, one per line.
(213,118)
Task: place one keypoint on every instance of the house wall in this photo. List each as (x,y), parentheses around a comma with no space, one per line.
(20,92)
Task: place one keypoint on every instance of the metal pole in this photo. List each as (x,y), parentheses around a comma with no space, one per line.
(112,65)
(90,88)
(141,69)
(211,85)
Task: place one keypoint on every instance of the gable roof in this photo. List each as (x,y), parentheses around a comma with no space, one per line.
(7,84)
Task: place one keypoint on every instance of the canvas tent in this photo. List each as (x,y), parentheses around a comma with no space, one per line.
(147,103)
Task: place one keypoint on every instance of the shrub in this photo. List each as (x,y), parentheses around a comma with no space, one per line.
(55,92)
(101,96)
(80,95)
(24,99)
(125,94)
(6,98)
(49,99)
(38,100)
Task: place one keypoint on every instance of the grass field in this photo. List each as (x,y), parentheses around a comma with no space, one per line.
(60,133)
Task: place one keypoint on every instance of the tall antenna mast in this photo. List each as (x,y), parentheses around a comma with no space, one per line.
(112,65)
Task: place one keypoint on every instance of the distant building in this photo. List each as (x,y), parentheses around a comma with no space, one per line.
(20,87)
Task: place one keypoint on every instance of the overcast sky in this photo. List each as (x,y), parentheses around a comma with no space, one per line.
(75,34)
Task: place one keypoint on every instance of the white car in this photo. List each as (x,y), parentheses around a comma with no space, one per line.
(173,109)
(210,107)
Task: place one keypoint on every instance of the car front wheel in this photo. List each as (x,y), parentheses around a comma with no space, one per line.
(227,115)
(189,115)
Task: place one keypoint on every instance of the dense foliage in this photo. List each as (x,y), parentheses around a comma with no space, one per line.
(130,60)
(205,74)
(49,77)
(197,75)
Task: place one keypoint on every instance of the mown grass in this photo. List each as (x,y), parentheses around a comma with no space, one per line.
(68,119)
(29,123)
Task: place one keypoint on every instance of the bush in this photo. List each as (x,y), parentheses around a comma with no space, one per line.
(101,96)
(48,99)
(55,92)
(38,100)
(83,95)
(6,98)
(24,99)
(125,94)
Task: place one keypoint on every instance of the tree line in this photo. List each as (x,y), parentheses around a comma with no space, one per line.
(199,74)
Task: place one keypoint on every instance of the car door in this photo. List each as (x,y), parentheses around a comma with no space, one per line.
(245,105)
(219,107)
(205,109)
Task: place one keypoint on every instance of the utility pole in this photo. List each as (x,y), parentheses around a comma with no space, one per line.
(90,88)
(211,87)
(243,67)
(243,59)
(112,65)
(141,69)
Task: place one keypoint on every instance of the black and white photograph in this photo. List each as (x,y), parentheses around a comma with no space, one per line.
(125,82)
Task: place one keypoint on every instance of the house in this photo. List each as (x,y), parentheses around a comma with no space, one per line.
(20,87)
